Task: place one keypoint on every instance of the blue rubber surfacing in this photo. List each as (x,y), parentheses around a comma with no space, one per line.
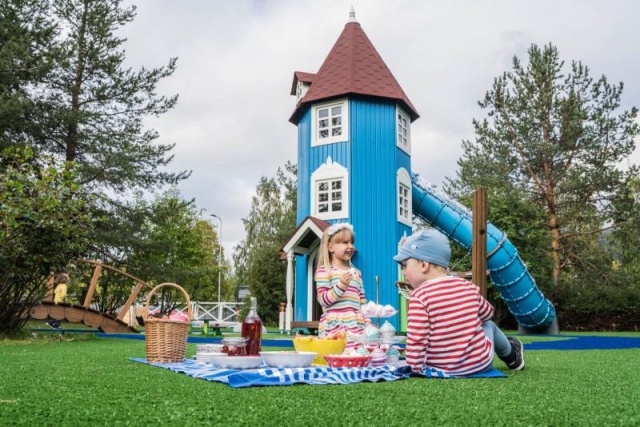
(580,342)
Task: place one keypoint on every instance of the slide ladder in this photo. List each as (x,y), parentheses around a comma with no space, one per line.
(510,276)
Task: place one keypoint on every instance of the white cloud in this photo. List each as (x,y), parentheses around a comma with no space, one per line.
(236,61)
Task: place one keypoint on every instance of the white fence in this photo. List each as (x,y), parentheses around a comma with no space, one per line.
(222,314)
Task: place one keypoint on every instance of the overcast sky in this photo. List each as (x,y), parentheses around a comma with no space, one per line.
(236,60)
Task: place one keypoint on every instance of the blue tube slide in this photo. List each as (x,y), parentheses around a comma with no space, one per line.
(508,273)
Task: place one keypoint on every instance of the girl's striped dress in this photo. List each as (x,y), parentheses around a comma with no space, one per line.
(341,307)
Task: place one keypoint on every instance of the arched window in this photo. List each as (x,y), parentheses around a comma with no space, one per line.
(404,208)
(329,191)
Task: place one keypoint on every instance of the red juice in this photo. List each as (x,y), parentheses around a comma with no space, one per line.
(252,330)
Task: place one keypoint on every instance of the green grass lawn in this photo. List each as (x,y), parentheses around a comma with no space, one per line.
(91,381)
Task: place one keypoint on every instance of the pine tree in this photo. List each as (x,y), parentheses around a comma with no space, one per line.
(99,104)
(27,52)
(555,138)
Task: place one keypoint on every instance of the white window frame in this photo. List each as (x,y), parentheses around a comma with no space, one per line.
(404,204)
(330,172)
(403,130)
(301,90)
(316,140)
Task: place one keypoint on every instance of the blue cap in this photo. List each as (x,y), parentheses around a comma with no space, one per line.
(426,245)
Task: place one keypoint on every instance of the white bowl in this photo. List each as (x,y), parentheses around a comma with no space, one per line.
(235,362)
(288,359)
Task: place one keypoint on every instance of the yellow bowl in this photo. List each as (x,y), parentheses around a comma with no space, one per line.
(319,345)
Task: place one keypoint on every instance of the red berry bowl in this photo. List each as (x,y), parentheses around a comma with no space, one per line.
(350,361)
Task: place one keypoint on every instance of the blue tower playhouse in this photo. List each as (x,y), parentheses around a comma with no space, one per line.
(354,165)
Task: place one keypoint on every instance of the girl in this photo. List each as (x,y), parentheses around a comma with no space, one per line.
(340,291)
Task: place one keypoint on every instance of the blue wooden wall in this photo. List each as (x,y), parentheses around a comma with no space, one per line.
(372,158)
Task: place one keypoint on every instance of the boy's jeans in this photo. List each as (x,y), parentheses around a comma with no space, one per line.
(501,346)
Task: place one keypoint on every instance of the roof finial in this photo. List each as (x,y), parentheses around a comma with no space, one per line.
(352,15)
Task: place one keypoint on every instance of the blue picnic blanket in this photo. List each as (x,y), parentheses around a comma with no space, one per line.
(312,375)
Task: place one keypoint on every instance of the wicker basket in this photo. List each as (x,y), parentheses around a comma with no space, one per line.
(166,340)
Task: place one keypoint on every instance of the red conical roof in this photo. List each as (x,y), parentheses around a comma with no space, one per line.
(353,66)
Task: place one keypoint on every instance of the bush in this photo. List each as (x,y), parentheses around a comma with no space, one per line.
(44,225)
(597,307)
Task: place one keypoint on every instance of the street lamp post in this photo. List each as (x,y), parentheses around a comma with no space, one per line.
(219,266)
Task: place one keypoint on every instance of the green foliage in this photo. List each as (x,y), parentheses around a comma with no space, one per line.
(99,104)
(554,139)
(257,258)
(27,52)
(624,242)
(171,244)
(589,303)
(66,92)
(44,223)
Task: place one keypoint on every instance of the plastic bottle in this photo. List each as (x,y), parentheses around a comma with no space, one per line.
(252,329)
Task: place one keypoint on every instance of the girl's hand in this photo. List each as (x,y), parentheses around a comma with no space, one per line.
(345,279)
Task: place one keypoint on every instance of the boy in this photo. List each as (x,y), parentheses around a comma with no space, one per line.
(449,326)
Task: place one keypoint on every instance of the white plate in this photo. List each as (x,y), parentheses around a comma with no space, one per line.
(395,340)
(236,362)
(288,359)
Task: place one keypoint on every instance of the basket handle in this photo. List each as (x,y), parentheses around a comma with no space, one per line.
(172,285)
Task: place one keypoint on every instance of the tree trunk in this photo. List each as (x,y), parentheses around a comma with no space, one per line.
(72,128)
(555,247)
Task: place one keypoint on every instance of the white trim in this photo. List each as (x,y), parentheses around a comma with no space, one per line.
(310,275)
(290,286)
(403,124)
(403,210)
(330,171)
(344,123)
(301,90)
(299,234)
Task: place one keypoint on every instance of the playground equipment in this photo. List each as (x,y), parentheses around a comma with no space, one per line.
(532,311)
(83,313)
(123,321)
(78,314)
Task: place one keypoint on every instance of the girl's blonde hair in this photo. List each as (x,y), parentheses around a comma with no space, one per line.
(337,233)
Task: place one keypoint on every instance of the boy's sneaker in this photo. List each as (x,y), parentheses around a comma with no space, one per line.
(517,364)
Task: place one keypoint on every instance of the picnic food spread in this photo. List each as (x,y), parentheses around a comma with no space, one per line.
(234,346)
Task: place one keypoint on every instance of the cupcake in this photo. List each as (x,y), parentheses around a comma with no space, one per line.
(393,355)
(372,333)
(362,351)
(387,332)
(379,357)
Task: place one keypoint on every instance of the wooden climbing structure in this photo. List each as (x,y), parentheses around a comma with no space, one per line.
(83,313)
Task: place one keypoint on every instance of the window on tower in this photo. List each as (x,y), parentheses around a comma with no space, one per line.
(329,193)
(403,134)
(404,208)
(330,123)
